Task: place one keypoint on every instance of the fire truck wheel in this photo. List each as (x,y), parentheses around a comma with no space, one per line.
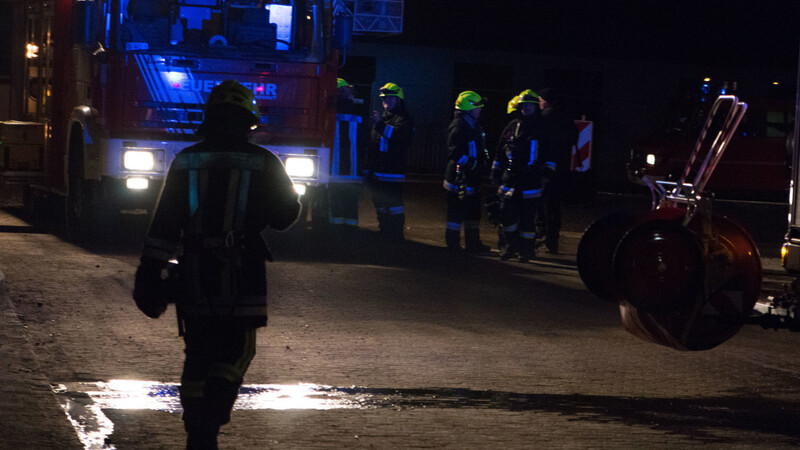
(78,215)
(32,203)
(596,250)
(658,266)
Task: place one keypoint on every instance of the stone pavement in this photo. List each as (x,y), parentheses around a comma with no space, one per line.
(29,418)
(584,409)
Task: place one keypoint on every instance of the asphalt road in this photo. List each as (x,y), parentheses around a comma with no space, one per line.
(380,345)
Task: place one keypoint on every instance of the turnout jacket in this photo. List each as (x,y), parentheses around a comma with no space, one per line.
(519,165)
(216,200)
(389,144)
(466,151)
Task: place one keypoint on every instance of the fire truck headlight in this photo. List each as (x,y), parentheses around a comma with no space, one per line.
(138,160)
(137,183)
(650,159)
(299,167)
(300,189)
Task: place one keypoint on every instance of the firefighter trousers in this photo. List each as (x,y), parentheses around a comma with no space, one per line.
(388,199)
(519,225)
(218,353)
(344,203)
(466,211)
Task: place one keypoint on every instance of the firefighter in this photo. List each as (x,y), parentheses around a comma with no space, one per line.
(389,144)
(346,184)
(494,203)
(518,174)
(218,196)
(468,160)
(562,136)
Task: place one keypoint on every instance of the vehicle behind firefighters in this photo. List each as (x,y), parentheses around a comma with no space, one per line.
(756,163)
(683,275)
(110,90)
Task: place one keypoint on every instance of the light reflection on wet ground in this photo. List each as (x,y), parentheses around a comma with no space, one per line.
(84,402)
(706,420)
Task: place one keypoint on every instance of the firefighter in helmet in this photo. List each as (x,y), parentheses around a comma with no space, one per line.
(562,136)
(389,144)
(346,183)
(517,172)
(468,160)
(219,195)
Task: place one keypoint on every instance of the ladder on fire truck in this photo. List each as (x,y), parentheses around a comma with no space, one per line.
(372,16)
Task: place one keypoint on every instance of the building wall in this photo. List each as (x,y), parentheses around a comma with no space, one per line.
(4,101)
(626,100)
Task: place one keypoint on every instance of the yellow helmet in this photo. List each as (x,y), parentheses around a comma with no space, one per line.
(512,104)
(391,90)
(231,92)
(528,96)
(340,82)
(469,100)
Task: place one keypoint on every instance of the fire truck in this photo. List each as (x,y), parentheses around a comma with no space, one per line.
(756,163)
(786,310)
(682,275)
(106,93)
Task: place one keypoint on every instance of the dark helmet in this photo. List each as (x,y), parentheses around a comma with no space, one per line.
(231,110)
(231,92)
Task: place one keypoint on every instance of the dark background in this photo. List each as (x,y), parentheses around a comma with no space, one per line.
(748,33)
(625,65)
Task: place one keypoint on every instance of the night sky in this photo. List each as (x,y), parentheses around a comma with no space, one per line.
(757,33)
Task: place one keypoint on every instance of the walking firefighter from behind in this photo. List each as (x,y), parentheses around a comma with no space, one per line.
(219,195)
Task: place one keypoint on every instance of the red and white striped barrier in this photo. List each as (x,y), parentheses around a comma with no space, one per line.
(582,152)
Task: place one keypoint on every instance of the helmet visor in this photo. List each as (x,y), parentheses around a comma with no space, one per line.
(480,103)
(384,92)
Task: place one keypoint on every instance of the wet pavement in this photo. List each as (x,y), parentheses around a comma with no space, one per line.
(86,405)
(380,345)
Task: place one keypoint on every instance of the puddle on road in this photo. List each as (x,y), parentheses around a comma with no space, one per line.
(700,418)
(84,403)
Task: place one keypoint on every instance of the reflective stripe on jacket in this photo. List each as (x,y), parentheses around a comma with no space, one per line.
(217,198)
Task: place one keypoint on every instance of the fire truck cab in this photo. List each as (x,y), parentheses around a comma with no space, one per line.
(110,90)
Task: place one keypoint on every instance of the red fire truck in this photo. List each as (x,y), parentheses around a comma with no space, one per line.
(110,90)
(684,276)
(756,163)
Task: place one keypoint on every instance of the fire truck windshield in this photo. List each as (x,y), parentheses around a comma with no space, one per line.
(286,29)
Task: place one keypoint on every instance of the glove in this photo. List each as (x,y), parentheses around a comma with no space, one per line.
(502,191)
(148,288)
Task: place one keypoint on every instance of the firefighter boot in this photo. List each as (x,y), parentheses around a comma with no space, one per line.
(201,429)
(501,238)
(394,229)
(472,241)
(202,440)
(526,250)
(383,222)
(511,247)
(453,239)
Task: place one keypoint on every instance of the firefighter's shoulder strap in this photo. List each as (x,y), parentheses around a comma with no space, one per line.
(240,166)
